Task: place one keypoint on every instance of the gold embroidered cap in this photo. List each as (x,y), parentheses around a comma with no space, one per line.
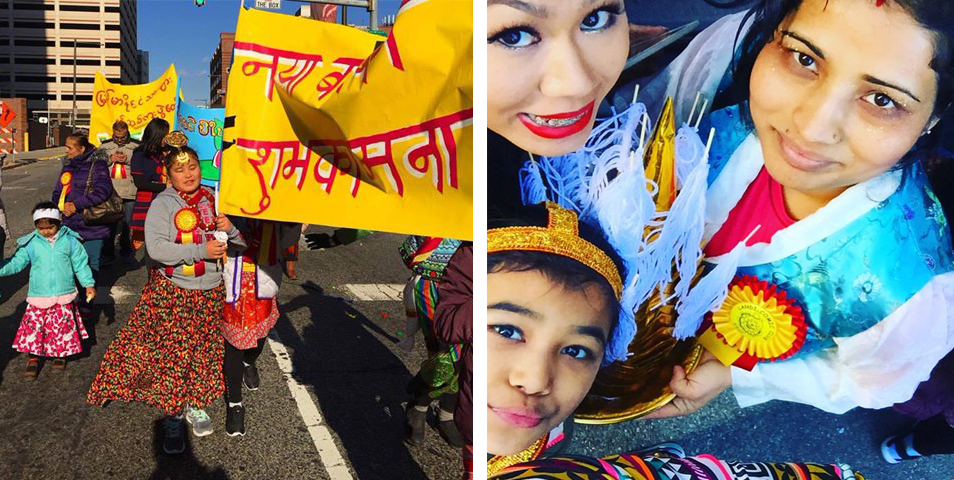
(561,237)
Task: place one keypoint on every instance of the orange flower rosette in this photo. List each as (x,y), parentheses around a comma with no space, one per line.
(186,221)
(757,322)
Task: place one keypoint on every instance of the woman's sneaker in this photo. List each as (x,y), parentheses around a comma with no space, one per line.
(894,449)
(235,420)
(174,441)
(200,421)
(250,377)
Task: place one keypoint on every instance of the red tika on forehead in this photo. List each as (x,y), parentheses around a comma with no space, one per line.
(879,3)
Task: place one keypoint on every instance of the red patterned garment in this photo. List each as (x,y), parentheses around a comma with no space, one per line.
(170,352)
(249,318)
(50,332)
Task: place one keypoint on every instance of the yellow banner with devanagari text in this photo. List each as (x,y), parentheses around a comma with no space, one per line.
(330,125)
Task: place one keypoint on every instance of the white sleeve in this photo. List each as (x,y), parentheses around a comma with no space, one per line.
(699,68)
(873,369)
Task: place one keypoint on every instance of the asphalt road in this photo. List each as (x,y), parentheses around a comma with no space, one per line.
(342,350)
(775,431)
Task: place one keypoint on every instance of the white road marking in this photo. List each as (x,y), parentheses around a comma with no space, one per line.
(331,457)
(376,291)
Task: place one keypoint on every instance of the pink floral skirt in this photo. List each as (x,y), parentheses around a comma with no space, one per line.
(50,332)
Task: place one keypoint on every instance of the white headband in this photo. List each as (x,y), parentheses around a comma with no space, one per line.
(47,213)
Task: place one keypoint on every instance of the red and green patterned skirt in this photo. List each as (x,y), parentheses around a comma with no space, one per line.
(169,354)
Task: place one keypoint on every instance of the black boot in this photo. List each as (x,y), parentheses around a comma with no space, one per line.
(414,426)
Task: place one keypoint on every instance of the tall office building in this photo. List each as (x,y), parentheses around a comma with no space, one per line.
(41,39)
(143,61)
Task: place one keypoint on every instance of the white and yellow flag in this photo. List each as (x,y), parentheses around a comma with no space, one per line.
(326,124)
(134,104)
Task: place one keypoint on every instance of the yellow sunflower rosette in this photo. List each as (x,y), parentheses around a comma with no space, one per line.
(755,323)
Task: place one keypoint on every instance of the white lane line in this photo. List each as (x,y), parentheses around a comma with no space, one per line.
(331,457)
(376,291)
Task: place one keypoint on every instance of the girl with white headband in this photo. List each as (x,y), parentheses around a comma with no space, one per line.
(51,326)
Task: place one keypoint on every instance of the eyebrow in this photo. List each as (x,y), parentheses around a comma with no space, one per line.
(877,81)
(514,308)
(596,332)
(535,10)
(804,40)
(867,78)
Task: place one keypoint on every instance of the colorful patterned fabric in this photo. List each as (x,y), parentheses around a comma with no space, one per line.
(425,301)
(439,370)
(428,256)
(50,332)
(249,318)
(148,171)
(170,352)
(649,466)
(850,281)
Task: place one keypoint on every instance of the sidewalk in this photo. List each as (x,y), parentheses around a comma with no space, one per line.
(27,158)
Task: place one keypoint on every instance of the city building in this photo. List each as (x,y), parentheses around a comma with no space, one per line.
(219,70)
(319,11)
(42,40)
(142,58)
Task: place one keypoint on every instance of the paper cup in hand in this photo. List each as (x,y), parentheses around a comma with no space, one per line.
(222,237)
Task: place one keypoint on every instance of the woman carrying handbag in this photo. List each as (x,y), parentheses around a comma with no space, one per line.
(81,189)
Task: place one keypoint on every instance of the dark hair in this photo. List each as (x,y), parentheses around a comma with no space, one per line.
(120,125)
(937,16)
(81,138)
(170,154)
(566,272)
(46,206)
(151,142)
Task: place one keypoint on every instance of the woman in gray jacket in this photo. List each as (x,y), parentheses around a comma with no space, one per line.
(170,353)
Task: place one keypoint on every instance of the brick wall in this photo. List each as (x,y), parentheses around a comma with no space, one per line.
(18,105)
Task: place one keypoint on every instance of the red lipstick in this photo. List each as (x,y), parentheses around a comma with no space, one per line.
(559,125)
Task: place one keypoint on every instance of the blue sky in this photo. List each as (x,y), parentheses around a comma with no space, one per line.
(176,31)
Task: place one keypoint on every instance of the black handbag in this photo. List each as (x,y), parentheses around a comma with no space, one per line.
(108,212)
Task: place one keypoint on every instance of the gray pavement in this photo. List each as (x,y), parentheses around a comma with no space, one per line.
(26,158)
(343,351)
(775,431)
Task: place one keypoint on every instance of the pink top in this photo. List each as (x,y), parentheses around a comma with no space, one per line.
(47,302)
(761,206)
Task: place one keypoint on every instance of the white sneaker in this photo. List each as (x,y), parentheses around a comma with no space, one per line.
(199,420)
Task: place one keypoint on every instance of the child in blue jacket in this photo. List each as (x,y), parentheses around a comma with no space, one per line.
(51,325)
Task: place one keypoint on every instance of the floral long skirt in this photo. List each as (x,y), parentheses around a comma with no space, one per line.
(50,332)
(170,352)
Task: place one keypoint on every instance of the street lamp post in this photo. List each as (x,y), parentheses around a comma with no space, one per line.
(73,114)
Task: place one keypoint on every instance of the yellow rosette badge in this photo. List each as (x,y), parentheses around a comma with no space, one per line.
(65,180)
(755,323)
(186,221)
